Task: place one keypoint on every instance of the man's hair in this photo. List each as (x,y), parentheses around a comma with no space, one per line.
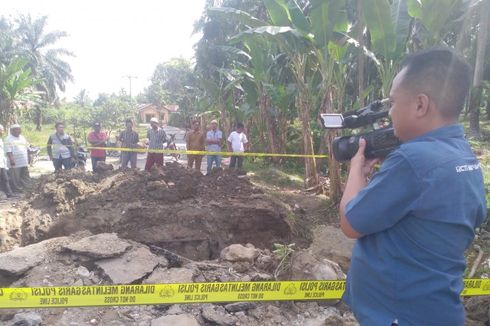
(128,121)
(239,125)
(58,124)
(442,75)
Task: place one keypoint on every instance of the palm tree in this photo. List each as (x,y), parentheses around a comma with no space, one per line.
(45,61)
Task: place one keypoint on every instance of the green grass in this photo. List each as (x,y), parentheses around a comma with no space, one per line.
(37,138)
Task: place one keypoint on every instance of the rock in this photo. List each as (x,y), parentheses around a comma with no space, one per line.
(104,167)
(261,277)
(27,319)
(306,266)
(242,266)
(477,309)
(131,266)
(171,275)
(174,310)
(217,315)
(104,245)
(329,242)
(175,320)
(265,262)
(240,306)
(237,252)
(83,272)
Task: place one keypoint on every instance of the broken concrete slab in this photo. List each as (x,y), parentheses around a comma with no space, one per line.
(131,266)
(175,320)
(27,319)
(170,275)
(237,252)
(306,266)
(329,242)
(20,260)
(217,315)
(240,306)
(104,245)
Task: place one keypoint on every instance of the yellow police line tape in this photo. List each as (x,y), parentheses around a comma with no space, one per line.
(189,152)
(153,294)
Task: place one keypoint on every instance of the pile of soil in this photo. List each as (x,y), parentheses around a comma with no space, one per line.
(171,207)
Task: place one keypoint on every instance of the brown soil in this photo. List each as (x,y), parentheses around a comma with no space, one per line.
(172,207)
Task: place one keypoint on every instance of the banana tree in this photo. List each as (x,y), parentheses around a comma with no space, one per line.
(481,47)
(16,88)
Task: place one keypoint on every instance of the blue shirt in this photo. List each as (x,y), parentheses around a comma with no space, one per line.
(417,216)
(214,135)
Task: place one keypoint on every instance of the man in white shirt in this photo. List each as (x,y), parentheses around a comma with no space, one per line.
(237,143)
(16,147)
(4,177)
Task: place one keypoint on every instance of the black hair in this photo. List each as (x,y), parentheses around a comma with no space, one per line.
(128,121)
(57,124)
(239,125)
(442,74)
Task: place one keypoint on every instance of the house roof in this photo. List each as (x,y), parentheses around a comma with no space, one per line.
(170,108)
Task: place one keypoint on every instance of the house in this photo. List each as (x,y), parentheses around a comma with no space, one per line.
(162,113)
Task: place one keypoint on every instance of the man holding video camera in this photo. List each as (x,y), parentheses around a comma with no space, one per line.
(417,215)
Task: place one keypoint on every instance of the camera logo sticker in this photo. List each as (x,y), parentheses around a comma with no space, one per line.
(18,295)
(167,292)
(290,290)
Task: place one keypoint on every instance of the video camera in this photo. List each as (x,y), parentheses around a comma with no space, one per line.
(379,143)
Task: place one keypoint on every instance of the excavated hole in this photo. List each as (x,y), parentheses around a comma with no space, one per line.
(173,208)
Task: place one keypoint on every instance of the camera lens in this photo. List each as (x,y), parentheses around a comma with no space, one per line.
(344,148)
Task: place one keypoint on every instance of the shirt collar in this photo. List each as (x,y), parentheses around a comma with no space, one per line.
(449,131)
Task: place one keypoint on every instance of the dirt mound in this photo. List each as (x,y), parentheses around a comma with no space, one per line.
(171,207)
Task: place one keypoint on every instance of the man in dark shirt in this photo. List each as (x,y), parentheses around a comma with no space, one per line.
(156,137)
(417,215)
(129,140)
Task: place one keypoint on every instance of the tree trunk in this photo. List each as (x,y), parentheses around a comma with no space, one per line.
(488,104)
(225,123)
(335,189)
(39,119)
(303,103)
(264,104)
(361,59)
(476,92)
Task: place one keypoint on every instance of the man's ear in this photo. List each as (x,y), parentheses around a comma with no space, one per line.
(423,105)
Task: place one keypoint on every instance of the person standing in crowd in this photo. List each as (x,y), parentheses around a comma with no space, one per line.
(61,149)
(214,138)
(16,147)
(97,138)
(4,178)
(237,143)
(129,139)
(156,137)
(195,142)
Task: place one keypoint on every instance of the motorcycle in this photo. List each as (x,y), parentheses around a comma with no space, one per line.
(110,152)
(172,146)
(81,159)
(33,152)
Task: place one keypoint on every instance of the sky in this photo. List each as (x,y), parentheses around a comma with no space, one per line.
(112,39)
